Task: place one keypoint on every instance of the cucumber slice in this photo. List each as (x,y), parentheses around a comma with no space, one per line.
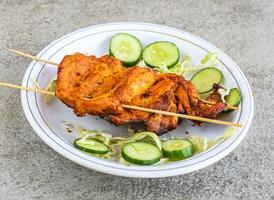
(161,53)
(141,153)
(125,47)
(204,79)
(91,146)
(233,98)
(177,149)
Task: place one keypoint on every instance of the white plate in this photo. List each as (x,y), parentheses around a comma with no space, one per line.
(47,120)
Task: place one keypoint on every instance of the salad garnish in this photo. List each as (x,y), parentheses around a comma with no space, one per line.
(142,143)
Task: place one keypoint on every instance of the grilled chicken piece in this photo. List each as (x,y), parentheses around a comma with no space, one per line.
(78,75)
(116,90)
(159,96)
(99,86)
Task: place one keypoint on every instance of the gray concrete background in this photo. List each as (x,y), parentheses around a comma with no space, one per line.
(29,169)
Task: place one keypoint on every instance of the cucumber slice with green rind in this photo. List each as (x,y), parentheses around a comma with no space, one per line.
(161,53)
(233,98)
(177,149)
(91,146)
(141,153)
(204,79)
(126,48)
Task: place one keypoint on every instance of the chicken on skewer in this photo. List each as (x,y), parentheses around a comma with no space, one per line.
(100,86)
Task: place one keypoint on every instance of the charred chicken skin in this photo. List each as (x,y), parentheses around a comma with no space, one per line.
(99,86)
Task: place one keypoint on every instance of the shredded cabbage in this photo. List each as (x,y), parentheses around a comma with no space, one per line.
(209,60)
(51,87)
(145,136)
(98,135)
(149,135)
(141,64)
(229,132)
(201,143)
(178,69)
(35,84)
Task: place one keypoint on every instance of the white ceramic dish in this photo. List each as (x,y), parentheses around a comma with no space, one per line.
(47,120)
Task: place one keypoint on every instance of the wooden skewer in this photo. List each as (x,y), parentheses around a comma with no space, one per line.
(25,88)
(32,57)
(53,63)
(135,107)
(183,116)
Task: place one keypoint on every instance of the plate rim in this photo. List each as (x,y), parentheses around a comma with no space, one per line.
(202,164)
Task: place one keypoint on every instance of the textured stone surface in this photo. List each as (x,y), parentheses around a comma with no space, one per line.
(243,29)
